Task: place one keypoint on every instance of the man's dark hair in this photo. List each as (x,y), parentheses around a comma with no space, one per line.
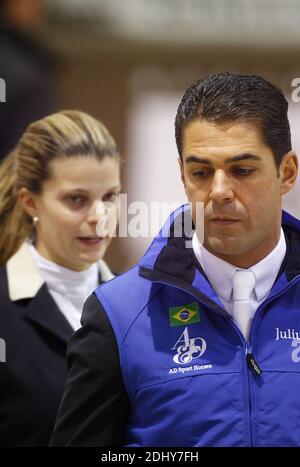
(227,97)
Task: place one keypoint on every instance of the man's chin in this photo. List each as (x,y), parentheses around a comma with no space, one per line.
(224,247)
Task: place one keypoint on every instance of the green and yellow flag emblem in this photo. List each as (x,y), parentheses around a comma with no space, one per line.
(183,315)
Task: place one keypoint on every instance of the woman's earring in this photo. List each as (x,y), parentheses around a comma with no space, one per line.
(35,220)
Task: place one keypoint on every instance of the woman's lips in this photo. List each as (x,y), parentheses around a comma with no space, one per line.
(91,241)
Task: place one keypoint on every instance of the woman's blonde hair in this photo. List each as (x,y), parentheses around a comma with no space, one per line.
(63,134)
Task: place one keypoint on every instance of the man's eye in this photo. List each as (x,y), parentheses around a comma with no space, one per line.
(244,170)
(201,173)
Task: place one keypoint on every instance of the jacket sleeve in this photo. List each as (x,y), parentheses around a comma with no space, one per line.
(94,408)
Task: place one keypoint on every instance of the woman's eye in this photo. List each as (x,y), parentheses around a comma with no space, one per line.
(111,197)
(76,200)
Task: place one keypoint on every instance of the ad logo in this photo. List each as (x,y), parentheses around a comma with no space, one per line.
(188,349)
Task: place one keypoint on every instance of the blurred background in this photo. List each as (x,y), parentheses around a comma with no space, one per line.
(128,64)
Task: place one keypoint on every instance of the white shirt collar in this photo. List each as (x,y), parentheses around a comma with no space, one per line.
(64,280)
(25,278)
(220,273)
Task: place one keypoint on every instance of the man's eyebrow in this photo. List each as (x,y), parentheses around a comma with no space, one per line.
(240,157)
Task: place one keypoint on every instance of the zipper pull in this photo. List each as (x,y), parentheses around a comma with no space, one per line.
(252,363)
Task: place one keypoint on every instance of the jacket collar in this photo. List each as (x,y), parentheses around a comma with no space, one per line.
(169,258)
(27,288)
(43,313)
(24,278)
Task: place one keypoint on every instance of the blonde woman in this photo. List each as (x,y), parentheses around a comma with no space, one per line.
(51,185)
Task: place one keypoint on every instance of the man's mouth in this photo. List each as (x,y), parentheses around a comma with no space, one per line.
(224,220)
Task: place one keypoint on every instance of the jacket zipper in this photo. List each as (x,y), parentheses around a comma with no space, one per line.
(253,368)
(250,362)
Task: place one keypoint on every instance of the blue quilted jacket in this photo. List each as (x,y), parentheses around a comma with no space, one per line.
(191,378)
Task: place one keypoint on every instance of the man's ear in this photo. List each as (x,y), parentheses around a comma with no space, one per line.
(181,171)
(288,171)
(28,202)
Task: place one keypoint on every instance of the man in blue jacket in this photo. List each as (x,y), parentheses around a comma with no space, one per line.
(200,346)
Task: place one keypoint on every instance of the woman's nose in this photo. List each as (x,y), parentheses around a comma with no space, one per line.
(96,211)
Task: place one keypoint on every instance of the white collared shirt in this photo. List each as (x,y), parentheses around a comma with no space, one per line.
(68,288)
(220,273)
(27,271)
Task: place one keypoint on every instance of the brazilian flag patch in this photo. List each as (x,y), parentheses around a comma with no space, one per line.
(183,315)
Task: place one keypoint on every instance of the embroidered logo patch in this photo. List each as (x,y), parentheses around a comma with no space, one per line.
(183,315)
(188,349)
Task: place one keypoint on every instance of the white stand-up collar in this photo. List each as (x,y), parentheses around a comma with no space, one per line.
(220,273)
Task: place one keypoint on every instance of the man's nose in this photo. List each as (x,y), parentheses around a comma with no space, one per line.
(221,189)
